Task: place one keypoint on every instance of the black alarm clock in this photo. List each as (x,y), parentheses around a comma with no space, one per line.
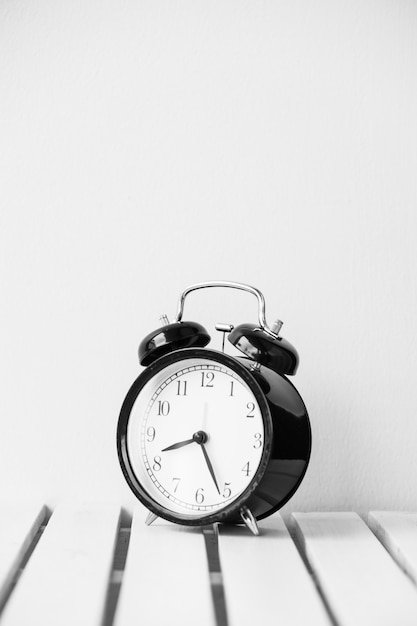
(204,436)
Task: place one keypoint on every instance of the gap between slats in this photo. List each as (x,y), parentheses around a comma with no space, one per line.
(211,538)
(18,572)
(359,580)
(397,531)
(117,571)
(21,528)
(67,575)
(265,578)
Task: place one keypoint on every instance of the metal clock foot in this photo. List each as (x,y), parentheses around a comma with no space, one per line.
(249,520)
(150,518)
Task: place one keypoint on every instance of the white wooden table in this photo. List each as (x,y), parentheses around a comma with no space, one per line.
(80,565)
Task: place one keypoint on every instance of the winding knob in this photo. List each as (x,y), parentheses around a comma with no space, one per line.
(276,327)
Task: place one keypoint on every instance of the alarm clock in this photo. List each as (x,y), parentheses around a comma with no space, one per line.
(205,436)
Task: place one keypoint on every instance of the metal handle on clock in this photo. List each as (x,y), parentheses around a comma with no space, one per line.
(230,285)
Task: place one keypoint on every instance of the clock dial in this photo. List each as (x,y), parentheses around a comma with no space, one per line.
(195,436)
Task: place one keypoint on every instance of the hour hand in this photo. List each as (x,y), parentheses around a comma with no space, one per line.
(179,444)
(198,437)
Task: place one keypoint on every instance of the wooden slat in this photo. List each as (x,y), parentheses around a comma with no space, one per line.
(265,578)
(66,579)
(166,579)
(361,582)
(18,527)
(398,533)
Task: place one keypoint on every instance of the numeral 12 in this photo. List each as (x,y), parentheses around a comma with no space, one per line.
(207,379)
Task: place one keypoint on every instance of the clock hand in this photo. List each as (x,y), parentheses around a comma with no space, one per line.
(198,437)
(180,444)
(209,465)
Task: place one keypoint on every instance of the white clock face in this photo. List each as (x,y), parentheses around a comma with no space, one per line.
(195,436)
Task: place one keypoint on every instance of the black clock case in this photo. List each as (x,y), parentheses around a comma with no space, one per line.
(286,454)
(291,443)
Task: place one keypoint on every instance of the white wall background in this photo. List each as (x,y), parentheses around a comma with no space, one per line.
(147,145)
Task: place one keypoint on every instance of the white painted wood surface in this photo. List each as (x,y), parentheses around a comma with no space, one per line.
(66,579)
(166,579)
(398,533)
(361,582)
(18,527)
(265,578)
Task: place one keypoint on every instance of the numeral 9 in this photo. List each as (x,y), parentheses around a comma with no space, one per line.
(150,433)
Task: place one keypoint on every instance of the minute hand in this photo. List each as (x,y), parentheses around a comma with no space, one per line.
(209,465)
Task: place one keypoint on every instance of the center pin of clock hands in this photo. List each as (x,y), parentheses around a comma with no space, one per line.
(199,437)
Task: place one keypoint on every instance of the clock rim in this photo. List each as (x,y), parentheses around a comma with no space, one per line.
(232,508)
